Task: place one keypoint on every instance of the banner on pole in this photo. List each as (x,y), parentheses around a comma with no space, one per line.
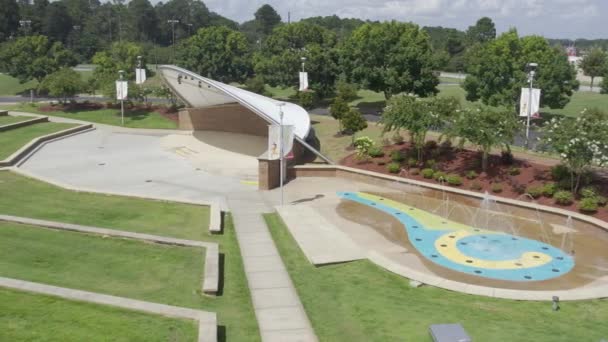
(524,102)
(140,76)
(303,81)
(122,90)
(274,138)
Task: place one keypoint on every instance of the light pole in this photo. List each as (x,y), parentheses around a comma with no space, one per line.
(281,104)
(303,59)
(122,96)
(531,67)
(173,22)
(26,24)
(189,28)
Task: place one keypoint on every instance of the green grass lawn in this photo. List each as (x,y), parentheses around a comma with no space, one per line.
(127,268)
(359,301)
(12,140)
(7,120)
(11,86)
(133,118)
(31,317)
(31,198)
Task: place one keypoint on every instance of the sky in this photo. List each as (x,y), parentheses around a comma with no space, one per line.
(550,18)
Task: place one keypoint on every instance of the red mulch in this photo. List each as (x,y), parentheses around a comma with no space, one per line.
(456,161)
(167,112)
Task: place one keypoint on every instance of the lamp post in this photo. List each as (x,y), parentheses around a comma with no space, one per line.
(122,103)
(173,22)
(281,161)
(189,28)
(531,67)
(26,24)
(303,59)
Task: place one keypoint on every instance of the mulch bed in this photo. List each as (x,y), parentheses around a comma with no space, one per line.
(459,161)
(167,112)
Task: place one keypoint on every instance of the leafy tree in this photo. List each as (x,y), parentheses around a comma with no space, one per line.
(266,19)
(483,31)
(217,52)
(345,90)
(34,57)
(63,83)
(57,23)
(338,109)
(144,20)
(581,142)
(595,64)
(279,61)
(485,127)
(353,122)
(120,56)
(392,58)
(342,27)
(418,116)
(497,71)
(9,18)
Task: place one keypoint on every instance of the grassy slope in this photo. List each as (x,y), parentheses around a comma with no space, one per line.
(39,200)
(7,120)
(359,301)
(11,86)
(30,317)
(133,118)
(162,274)
(12,140)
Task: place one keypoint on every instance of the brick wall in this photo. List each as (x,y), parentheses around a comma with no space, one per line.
(224,118)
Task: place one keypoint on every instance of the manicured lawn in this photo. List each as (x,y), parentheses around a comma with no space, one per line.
(7,120)
(281,93)
(32,198)
(133,118)
(31,317)
(581,100)
(359,301)
(11,86)
(12,140)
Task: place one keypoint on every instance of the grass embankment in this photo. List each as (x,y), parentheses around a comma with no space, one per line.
(359,301)
(30,317)
(12,140)
(10,86)
(7,120)
(31,198)
(134,118)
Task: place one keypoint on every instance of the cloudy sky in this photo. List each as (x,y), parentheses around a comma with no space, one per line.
(550,18)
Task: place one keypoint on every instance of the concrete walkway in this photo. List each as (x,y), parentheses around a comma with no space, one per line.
(207,320)
(279,312)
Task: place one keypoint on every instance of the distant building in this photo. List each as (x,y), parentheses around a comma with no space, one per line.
(573,57)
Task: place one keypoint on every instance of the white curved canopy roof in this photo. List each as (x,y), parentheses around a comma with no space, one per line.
(198,91)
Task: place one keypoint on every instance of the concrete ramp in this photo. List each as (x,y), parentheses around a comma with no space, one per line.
(321,241)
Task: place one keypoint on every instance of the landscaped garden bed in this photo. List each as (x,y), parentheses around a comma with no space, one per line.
(506,176)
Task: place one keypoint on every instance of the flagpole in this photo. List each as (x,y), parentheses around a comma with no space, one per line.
(532,72)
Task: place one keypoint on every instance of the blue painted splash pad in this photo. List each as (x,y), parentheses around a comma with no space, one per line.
(465,249)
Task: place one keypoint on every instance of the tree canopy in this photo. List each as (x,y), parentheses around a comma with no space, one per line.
(63,83)
(266,18)
(497,71)
(390,57)
(595,64)
(9,18)
(483,31)
(217,52)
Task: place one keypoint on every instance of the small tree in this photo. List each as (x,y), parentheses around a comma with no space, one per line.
(63,83)
(338,109)
(486,128)
(418,116)
(353,122)
(594,63)
(580,142)
(345,90)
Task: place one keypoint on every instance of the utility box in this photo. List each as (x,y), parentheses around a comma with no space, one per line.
(449,333)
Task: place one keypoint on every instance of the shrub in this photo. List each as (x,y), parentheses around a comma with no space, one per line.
(471,174)
(412,162)
(394,167)
(476,186)
(428,173)
(436,153)
(496,187)
(430,145)
(414,171)
(563,197)
(514,171)
(397,156)
(560,172)
(549,189)
(257,85)
(431,164)
(564,184)
(506,158)
(440,176)
(307,99)
(398,139)
(376,152)
(588,205)
(454,180)
(363,145)
(588,192)
(535,191)
(446,146)
(518,188)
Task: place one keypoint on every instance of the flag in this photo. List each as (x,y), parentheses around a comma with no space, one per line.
(122,90)
(140,76)
(274,138)
(303,81)
(525,98)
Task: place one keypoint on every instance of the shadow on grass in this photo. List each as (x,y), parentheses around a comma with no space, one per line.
(373,108)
